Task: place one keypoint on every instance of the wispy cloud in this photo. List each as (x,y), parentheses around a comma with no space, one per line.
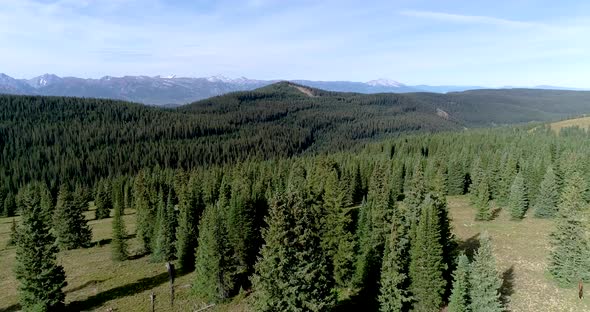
(469,19)
(309,39)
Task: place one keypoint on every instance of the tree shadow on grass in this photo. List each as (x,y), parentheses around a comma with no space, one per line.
(361,301)
(89,283)
(12,308)
(106,241)
(507,288)
(495,213)
(470,246)
(131,289)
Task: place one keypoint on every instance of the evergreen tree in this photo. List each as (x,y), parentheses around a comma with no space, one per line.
(506,177)
(293,272)
(456,177)
(482,200)
(438,184)
(518,200)
(102,201)
(13,233)
(484,281)
(447,239)
(214,264)
(9,205)
(164,249)
(357,189)
(459,300)
(570,255)
(417,188)
(338,240)
(427,264)
(118,244)
(40,278)
(46,202)
(548,198)
(476,174)
(372,230)
(241,227)
(394,295)
(144,212)
(69,224)
(191,207)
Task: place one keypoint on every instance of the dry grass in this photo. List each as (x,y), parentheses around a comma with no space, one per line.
(522,251)
(95,283)
(582,122)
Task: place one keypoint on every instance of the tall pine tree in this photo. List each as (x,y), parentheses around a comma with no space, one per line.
(9,205)
(191,207)
(427,264)
(40,278)
(102,200)
(482,199)
(293,272)
(164,248)
(459,300)
(118,244)
(484,280)
(69,224)
(548,198)
(394,294)
(570,255)
(145,211)
(338,239)
(518,201)
(214,264)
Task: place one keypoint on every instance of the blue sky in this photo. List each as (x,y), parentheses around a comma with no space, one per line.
(486,43)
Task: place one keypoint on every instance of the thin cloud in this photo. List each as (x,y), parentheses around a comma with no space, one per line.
(468,19)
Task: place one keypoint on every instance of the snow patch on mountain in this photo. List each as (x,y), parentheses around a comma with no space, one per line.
(383,82)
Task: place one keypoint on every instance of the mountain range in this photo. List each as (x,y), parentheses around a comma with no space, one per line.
(174,91)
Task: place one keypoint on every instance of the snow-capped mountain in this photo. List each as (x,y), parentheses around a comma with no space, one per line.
(382,82)
(43,81)
(174,90)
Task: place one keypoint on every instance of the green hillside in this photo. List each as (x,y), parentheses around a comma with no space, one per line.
(56,138)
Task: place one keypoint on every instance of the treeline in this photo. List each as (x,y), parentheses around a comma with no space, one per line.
(60,139)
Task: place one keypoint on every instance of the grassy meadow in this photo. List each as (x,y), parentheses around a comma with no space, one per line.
(96,283)
(582,123)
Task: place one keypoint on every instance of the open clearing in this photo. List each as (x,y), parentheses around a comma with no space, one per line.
(95,283)
(582,122)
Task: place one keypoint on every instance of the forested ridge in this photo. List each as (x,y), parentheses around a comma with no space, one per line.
(285,196)
(59,138)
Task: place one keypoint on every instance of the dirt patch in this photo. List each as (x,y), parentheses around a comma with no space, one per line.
(305,91)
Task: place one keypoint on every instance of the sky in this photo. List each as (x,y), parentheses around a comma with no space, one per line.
(481,43)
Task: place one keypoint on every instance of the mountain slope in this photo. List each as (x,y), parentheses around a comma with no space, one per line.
(174,91)
(508,106)
(81,136)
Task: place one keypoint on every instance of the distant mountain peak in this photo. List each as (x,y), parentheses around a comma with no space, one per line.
(43,80)
(218,78)
(383,82)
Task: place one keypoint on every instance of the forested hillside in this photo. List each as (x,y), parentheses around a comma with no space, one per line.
(55,138)
(367,229)
(508,106)
(286,198)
